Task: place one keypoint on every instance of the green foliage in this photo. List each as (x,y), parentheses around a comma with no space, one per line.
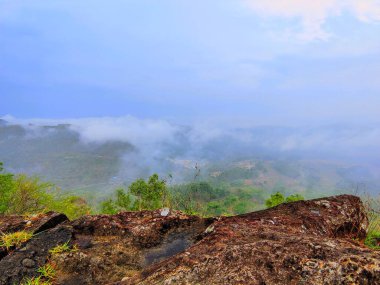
(274,200)
(14,239)
(215,207)
(151,194)
(278,198)
(6,189)
(294,198)
(373,240)
(109,207)
(30,195)
(22,194)
(122,203)
(123,200)
(72,206)
(142,195)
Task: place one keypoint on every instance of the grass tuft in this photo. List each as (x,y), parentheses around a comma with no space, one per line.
(63,248)
(47,271)
(14,239)
(36,281)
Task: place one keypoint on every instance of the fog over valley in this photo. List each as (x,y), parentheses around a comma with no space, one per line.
(96,155)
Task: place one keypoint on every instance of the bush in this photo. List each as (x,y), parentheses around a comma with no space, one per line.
(274,200)
(294,198)
(278,198)
(22,195)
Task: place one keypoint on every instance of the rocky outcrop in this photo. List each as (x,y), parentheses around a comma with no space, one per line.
(306,242)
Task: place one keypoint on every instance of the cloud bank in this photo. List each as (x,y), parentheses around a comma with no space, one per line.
(162,136)
(313,15)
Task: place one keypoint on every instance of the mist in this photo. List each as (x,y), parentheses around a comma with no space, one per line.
(164,147)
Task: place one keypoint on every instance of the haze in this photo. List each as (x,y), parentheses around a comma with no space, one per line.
(195,80)
(285,63)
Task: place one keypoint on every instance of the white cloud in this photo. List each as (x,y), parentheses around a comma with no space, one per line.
(314,14)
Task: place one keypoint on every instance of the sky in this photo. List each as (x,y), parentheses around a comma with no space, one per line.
(283,62)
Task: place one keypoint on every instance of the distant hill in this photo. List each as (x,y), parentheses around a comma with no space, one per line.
(270,161)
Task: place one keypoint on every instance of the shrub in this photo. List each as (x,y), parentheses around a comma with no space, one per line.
(294,198)
(274,200)
(278,198)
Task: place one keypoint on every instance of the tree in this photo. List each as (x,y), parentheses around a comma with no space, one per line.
(151,194)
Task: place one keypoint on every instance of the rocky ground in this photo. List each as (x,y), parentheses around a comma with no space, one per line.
(306,242)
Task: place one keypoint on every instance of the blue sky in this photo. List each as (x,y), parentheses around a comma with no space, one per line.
(280,62)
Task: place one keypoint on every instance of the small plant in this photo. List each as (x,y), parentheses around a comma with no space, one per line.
(373,240)
(36,281)
(47,271)
(14,239)
(63,248)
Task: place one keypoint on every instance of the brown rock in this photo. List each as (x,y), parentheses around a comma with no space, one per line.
(306,242)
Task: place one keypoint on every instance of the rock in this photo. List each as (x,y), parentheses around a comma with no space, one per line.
(29,263)
(164,212)
(24,262)
(305,242)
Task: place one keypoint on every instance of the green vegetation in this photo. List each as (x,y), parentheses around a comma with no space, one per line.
(278,198)
(62,248)
(21,194)
(144,195)
(47,271)
(47,274)
(36,281)
(14,239)
(6,189)
(373,240)
(372,207)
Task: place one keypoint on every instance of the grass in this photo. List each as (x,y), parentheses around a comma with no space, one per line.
(62,248)
(14,239)
(47,271)
(373,240)
(372,206)
(47,274)
(36,281)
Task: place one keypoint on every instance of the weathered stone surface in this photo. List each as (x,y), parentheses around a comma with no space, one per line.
(306,242)
(122,245)
(25,261)
(33,223)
